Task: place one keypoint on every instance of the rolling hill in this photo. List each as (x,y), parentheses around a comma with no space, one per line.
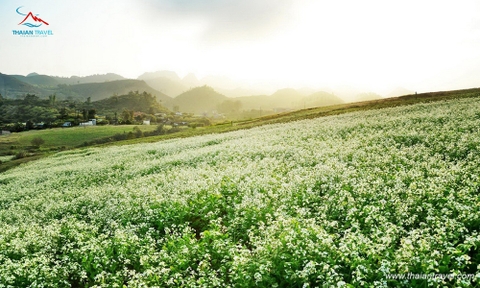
(319,99)
(44,81)
(205,99)
(96,87)
(289,99)
(142,102)
(99,91)
(285,98)
(199,100)
(97,78)
(47,81)
(11,87)
(167,85)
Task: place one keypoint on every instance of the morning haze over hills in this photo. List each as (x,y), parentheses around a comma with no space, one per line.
(187,94)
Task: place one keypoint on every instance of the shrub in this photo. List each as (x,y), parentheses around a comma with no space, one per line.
(160,129)
(138,132)
(37,141)
(20,154)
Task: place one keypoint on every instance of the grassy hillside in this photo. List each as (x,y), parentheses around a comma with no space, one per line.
(349,200)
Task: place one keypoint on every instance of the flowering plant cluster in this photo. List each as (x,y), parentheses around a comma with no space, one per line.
(336,201)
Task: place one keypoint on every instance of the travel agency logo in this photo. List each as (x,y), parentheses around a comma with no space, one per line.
(34,22)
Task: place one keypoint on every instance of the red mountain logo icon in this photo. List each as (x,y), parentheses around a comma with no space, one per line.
(31,20)
(35,18)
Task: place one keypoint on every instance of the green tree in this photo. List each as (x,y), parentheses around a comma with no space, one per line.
(138,132)
(52,99)
(160,129)
(91,113)
(140,117)
(29,125)
(151,110)
(127,115)
(63,113)
(31,99)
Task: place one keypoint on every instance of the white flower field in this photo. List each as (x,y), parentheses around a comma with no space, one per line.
(338,201)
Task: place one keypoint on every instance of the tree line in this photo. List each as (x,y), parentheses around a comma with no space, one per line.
(31,112)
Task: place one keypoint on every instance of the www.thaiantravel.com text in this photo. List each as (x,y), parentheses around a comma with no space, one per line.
(411,276)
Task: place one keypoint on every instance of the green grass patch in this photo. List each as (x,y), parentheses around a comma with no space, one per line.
(72,137)
(58,139)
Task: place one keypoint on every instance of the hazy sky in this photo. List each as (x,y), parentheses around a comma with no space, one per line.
(374,45)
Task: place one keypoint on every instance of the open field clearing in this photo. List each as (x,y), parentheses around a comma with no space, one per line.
(67,137)
(343,200)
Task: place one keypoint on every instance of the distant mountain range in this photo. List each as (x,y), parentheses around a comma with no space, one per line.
(97,87)
(205,99)
(171,84)
(11,86)
(53,81)
(188,94)
(99,91)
